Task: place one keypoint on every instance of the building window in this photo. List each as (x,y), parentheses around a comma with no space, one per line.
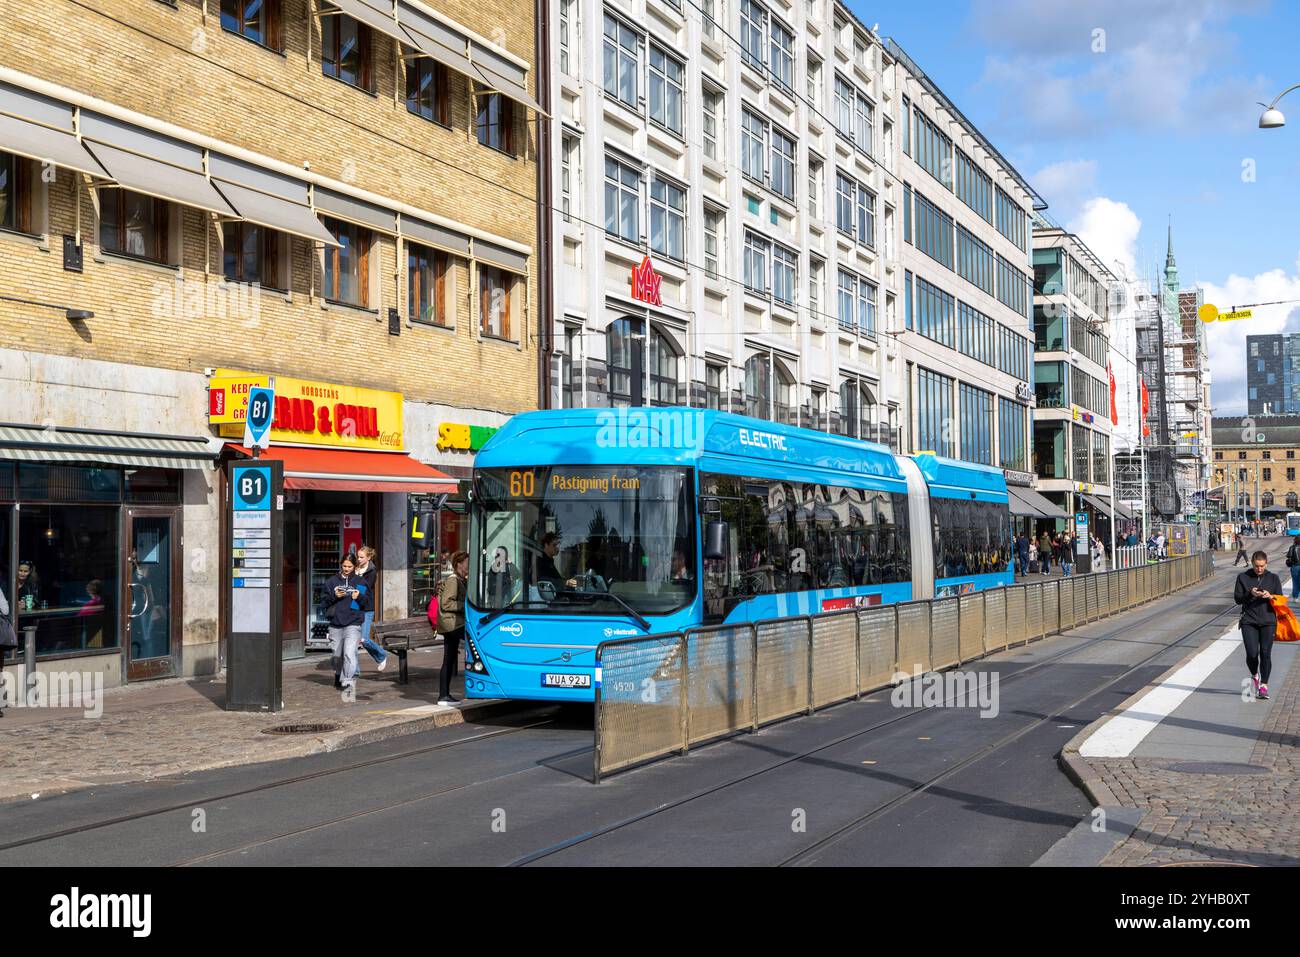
(622,199)
(251,254)
(845,98)
(863,124)
(933,149)
(753,25)
(934,412)
(345,51)
(817,409)
(907,126)
(867,307)
(756,250)
(256,20)
(667,219)
(709,11)
(347,265)
(494,294)
(15,193)
(976,425)
(426,89)
(816,271)
(495,120)
(782,164)
(666,78)
(866,208)
(815,169)
(713,225)
(846,191)
(814,75)
(758,386)
(1268,475)
(624,350)
(1079,449)
(933,231)
(132,224)
(664,364)
(426,285)
(622,60)
(570,11)
(781,63)
(570,177)
(712,120)
(785,265)
(753,141)
(712,387)
(846,300)
(1241,455)
(570,384)
(1011,434)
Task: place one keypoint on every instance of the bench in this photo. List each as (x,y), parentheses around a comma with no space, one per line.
(400,636)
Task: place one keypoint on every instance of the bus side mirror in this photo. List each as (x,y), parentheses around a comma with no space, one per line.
(715,541)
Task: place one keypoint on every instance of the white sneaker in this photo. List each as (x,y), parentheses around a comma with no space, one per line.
(383,664)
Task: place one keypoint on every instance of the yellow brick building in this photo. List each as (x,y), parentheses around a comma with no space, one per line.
(342,193)
(1257,462)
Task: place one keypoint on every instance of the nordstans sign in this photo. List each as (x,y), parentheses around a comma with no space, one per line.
(646,283)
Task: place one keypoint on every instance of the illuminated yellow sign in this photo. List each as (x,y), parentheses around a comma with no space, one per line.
(310,413)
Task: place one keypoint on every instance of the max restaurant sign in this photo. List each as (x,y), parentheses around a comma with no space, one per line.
(310,413)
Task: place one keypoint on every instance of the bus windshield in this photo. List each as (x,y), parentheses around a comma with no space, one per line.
(577,539)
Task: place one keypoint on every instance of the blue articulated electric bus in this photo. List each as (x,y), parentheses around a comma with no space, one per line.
(592,524)
(1293,523)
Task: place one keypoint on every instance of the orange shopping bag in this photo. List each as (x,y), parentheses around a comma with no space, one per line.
(1288,629)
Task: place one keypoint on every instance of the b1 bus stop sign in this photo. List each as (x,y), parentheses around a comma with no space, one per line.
(261,412)
(252,579)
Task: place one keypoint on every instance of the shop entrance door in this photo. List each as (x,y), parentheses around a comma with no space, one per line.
(150,600)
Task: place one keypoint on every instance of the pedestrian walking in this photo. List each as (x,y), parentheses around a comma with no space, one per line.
(1045,553)
(451,621)
(344,603)
(1067,555)
(1033,556)
(1098,554)
(1293,563)
(1254,592)
(368,572)
(1022,553)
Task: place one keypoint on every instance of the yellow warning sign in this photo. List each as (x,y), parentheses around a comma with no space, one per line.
(1208,312)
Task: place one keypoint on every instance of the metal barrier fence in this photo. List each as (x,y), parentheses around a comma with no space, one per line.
(662,694)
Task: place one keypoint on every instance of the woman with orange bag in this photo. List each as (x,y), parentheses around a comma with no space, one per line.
(1254,592)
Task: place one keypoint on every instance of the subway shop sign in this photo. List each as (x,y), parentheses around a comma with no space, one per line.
(309,413)
(464,438)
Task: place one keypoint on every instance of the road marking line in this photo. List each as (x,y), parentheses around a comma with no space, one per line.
(1121,734)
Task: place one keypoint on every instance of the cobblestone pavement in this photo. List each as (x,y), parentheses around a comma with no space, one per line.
(1239,818)
(162,729)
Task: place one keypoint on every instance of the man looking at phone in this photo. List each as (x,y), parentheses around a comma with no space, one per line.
(345,603)
(1254,592)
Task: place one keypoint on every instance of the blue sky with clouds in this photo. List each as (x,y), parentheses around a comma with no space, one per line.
(1156,116)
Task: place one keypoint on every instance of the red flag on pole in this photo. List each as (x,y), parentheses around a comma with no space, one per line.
(1146,405)
(1114,409)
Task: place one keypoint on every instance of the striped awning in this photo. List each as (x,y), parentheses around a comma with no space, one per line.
(25,443)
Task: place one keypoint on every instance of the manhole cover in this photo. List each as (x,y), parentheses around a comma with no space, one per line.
(1218,767)
(301,729)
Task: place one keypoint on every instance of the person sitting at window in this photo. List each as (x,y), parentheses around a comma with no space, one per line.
(29,585)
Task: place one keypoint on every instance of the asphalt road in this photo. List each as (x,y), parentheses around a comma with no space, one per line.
(860,783)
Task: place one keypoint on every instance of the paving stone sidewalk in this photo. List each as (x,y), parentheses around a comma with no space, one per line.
(1221,818)
(167,728)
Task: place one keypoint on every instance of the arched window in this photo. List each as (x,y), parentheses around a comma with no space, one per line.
(663,370)
(1292,500)
(624,349)
(1266,500)
(857,410)
(783,399)
(758,385)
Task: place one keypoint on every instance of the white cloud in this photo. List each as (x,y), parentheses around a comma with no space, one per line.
(1110,229)
(1065,184)
(1071,69)
(1226,341)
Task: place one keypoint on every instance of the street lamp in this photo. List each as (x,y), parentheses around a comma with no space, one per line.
(1272,117)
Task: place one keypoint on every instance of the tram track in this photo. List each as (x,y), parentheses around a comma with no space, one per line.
(920,788)
(267,786)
